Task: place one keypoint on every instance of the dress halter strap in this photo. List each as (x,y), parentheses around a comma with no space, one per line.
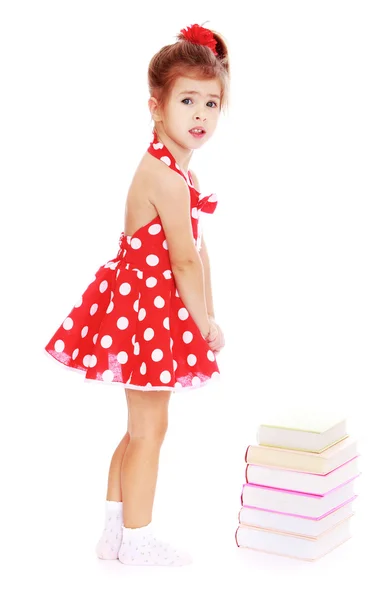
(205,203)
(160,151)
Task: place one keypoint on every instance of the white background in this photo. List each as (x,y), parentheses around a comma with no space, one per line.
(290,250)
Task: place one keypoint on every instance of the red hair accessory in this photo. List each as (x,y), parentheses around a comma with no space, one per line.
(200,35)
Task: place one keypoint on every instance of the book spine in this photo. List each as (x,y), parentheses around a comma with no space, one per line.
(235,535)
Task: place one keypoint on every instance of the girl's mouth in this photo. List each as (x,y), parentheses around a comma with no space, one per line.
(197,132)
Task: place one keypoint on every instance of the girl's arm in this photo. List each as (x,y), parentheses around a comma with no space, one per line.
(207,277)
(170,196)
(205,261)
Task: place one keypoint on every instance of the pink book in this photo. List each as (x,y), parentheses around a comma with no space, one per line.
(299,481)
(296,503)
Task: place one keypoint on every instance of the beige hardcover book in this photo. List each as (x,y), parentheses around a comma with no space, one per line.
(299,460)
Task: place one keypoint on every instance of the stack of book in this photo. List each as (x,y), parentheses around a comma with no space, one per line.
(298,497)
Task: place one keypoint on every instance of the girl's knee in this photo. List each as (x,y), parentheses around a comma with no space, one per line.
(153,435)
(148,416)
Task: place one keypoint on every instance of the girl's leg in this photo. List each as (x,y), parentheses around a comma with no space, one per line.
(110,540)
(114,475)
(148,425)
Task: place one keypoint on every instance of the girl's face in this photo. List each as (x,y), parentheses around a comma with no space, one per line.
(192,103)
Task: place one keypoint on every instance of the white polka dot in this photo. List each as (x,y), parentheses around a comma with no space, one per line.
(148,385)
(210,355)
(135,243)
(171,344)
(84,331)
(175,365)
(151,282)
(95,338)
(191,359)
(196,381)
(178,385)
(148,334)
(136,305)
(59,346)
(152,260)
(187,337)
(142,314)
(103,286)
(159,302)
(107,375)
(68,323)
(140,274)
(166,323)
(122,323)
(164,243)
(157,355)
(166,160)
(194,213)
(122,357)
(158,146)
(143,368)
(93,309)
(125,289)
(110,307)
(133,339)
(165,376)
(168,274)
(154,229)
(215,375)
(86,360)
(78,303)
(183,314)
(106,341)
(136,348)
(75,353)
(177,294)
(93,361)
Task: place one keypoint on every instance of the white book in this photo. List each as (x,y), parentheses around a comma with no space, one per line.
(299,481)
(293,546)
(296,503)
(300,430)
(282,523)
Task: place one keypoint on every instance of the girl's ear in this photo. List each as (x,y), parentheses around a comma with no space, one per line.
(153,107)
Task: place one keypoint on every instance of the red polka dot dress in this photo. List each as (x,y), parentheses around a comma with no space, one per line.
(130,325)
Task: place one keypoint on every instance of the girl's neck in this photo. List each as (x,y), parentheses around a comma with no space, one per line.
(182,155)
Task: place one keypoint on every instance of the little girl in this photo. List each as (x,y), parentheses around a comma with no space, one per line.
(147,319)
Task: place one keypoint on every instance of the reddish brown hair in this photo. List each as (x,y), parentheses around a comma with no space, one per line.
(186,59)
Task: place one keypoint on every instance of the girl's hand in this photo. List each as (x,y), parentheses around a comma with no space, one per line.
(215,338)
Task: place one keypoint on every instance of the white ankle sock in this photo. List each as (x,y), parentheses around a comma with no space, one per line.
(110,540)
(140,547)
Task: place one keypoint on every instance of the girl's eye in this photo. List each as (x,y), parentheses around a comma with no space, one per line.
(208,102)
